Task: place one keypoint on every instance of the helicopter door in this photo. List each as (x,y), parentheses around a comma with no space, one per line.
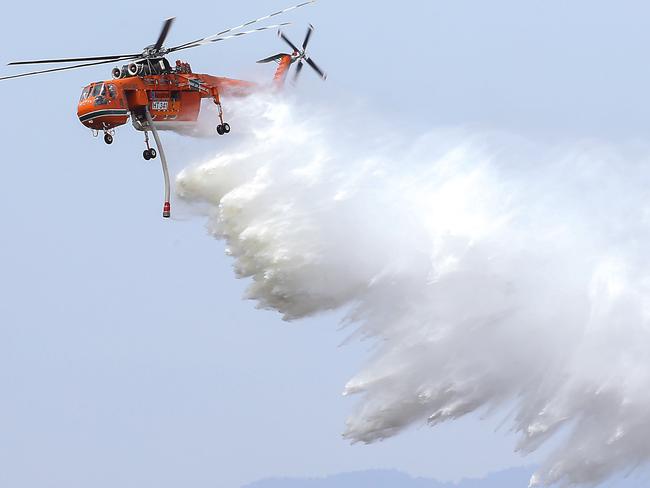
(113,96)
(175,100)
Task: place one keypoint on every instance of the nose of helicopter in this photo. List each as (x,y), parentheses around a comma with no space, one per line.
(84,111)
(99,110)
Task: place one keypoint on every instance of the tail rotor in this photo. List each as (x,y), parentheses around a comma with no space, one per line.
(299,55)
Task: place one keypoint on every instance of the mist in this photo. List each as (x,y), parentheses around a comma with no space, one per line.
(489,273)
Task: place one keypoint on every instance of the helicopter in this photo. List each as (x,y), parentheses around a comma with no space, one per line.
(156,95)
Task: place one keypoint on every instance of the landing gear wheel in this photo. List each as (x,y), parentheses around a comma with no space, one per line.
(153,153)
(108,139)
(146,154)
(226,128)
(220,130)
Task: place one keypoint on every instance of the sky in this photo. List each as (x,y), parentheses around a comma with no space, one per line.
(127,356)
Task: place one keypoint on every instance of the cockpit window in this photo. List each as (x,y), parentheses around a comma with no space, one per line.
(98,90)
(85,93)
(111,91)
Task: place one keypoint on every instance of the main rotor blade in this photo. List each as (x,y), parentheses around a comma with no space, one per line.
(286,39)
(307,37)
(204,40)
(316,68)
(51,70)
(297,72)
(238,34)
(163,33)
(117,57)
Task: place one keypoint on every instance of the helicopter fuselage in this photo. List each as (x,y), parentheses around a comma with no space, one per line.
(171,98)
(157,95)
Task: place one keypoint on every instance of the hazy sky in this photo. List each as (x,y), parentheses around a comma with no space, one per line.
(127,357)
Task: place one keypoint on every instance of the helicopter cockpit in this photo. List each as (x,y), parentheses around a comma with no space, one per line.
(101,92)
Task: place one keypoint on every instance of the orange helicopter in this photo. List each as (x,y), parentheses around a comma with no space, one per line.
(158,96)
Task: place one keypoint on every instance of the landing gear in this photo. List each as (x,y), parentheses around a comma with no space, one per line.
(223,129)
(108,134)
(149,154)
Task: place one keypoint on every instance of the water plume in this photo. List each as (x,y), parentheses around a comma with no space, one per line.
(490,273)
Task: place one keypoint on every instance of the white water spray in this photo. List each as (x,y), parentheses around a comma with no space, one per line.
(488,278)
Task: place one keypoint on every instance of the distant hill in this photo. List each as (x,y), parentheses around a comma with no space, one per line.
(511,478)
